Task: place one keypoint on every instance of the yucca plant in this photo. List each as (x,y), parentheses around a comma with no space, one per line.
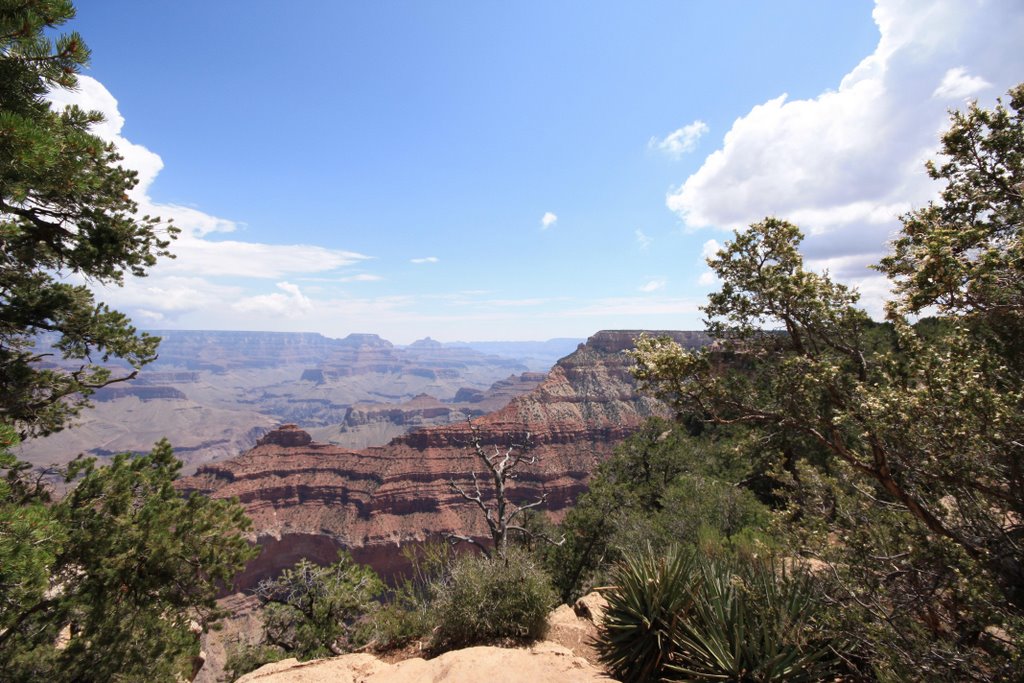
(651,595)
(751,621)
(684,617)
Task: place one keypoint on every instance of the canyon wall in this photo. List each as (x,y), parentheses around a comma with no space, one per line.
(311,498)
(213,393)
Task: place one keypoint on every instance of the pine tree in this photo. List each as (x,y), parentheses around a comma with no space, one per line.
(65,212)
(110,582)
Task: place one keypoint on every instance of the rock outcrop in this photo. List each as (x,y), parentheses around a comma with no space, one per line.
(309,499)
(286,436)
(571,632)
(566,656)
(541,662)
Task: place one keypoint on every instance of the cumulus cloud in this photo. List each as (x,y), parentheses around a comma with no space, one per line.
(425,259)
(708,279)
(843,165)
(653,285)
(547,220)
(680,141)
(91,95)
(190,282)
(642,239)
(291,304)
(957,84)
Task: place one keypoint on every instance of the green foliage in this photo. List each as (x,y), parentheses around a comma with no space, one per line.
(902,441)
(963,255)
(123,560)
(409,613)
(65,209)
(663,486)
(311,611)
(246,657)
(486,600)
(651,595)
(911,606)
(697,506)
(686,617)
(30,536)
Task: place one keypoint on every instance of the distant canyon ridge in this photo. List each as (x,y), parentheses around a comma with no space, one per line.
(213,394)
(352,443)
(309,498)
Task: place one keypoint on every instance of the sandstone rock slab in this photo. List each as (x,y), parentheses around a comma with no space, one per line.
(544,661)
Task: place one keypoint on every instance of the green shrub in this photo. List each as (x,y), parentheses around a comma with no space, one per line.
(486,600)
(407,614)
(311,611)
(686,617)
(246,657)
(396,625)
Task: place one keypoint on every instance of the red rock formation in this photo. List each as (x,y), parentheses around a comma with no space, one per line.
(307,498)
(364,423)
(286,436)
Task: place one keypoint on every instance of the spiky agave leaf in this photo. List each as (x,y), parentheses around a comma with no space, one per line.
(651,595)
(751,621)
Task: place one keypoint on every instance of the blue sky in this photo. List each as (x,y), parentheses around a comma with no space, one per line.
(474,171)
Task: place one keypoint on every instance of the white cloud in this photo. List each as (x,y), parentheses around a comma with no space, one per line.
(361,277)
(710,249)
(547,220)
(843,165)
(957,84)
(252,259)
(425,259)
(708,279)
(516,303)
(292,304)
(653,285)
(635,307)
(642,239)
(680,141)
(189,283)
(92,95)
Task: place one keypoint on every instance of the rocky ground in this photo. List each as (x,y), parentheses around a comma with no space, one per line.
(565,656)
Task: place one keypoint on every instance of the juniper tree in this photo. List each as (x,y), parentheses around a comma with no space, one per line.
(921,422)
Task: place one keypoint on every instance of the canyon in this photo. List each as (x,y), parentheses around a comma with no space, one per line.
(309,498)
(214,393)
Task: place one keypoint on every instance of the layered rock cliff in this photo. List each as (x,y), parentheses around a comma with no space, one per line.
(213,393)
(308,499)
(374,424)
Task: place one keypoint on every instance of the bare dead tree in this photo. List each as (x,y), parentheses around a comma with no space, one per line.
(500,513)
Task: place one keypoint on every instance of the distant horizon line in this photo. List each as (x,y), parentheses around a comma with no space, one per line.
(158,331)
